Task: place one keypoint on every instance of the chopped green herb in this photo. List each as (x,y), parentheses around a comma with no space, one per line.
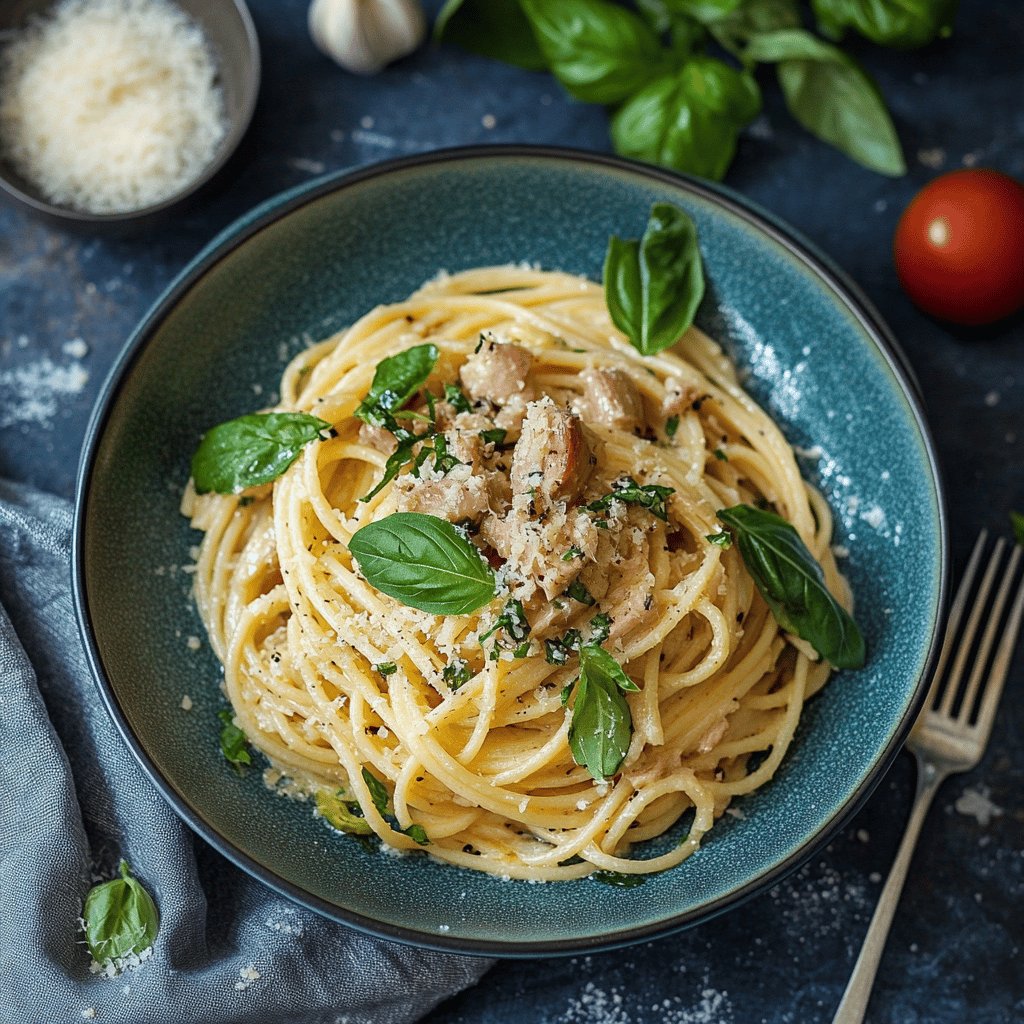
(578,592)
(496,436)
(558,649)
(649,496)
(671,426)
(600,627)
(513,621)
(245,501)
(720,455)
(566,693)
(619,879)
(417,834)
(378,791)
(386,668)
(522,650)
(456,673)
(233,744)
(723,538)
(572,553)
(455,397)
(344,815)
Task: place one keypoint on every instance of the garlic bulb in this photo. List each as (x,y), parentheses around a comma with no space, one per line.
(365,35)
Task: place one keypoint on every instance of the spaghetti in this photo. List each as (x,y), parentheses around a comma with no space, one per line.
(550,417)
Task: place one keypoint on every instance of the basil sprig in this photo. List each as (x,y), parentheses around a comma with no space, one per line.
(672,101)
(395,381)
(120,917)
(424,562)
(793,585)
(233,744)
(601,726)
(252,450)
(654,284)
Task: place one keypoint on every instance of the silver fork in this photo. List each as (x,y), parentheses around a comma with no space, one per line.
(951,732)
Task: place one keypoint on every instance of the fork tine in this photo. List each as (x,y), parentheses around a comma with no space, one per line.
(988,638)
(955,614)
(964,648)
(1000,665)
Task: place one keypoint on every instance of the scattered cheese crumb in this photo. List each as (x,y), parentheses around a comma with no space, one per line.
(862,835)
(488,121)
(975,803)
(76,348)
(111,105)
(247,975)
(193,643)
(186,703)
(992,399)
(89,1013)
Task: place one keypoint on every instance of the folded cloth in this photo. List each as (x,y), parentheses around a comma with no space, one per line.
(73,802)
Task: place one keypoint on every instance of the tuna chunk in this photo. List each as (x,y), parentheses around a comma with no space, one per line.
(552,458)
(497,372)
(610,399)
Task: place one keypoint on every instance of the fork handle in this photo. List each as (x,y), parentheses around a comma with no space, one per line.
(858,991)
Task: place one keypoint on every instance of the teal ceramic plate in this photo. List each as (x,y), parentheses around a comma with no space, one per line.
(314,259)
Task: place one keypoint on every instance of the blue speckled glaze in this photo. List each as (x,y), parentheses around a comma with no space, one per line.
(315,259)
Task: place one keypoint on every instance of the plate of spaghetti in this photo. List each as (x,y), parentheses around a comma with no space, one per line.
(508,516)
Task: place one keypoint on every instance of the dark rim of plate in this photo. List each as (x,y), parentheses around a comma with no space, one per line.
(276,208)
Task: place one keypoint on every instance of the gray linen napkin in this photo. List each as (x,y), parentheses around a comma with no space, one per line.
(73,801)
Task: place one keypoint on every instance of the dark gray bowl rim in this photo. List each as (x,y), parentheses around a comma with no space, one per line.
(231,142)
(281,206)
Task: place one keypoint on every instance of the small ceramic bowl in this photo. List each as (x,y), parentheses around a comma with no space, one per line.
(228,26)
(303,265)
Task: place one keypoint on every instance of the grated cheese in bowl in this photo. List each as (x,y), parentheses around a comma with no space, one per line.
(109,106)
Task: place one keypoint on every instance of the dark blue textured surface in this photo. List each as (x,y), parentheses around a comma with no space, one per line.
(954,953)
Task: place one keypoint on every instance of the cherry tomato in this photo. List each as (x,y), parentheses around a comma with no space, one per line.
(959,247)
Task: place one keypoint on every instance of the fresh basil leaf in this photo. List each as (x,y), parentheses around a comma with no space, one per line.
(793,585)
(233,744)
(601,725)
(252,450)
(688,120)
(378,792)
(723,539)
(344,815)
(671,426)
(386,668)
(395,381)
(652,497)
(599,51)
(492,28)
(456,398)
(901,23)
(1017,522)
(751,18)
(496,436)
(653,286)
(120,917)
(832,97)
(619,879)
(704,11)
(578,592)
(424,562)
(600,626)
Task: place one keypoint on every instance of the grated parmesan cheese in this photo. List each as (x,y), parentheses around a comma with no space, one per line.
(110,105)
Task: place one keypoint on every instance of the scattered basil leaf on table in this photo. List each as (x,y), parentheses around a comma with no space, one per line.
(599,51)
(618,879)
(902,23)
(653,285)
(492,28)
(120,917)
(690,118)
(342,814)
(424,562)
(793,585)
(601,725)
(252,450)
(832,97)
(652,497)
(395,381)
(233,744)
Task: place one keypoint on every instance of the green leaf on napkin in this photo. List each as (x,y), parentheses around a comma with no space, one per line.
(120,917)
